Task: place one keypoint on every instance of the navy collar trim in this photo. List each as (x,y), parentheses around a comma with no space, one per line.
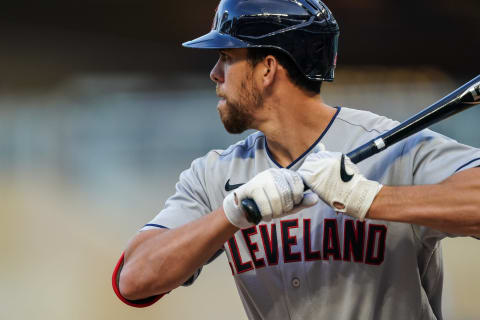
(309,149)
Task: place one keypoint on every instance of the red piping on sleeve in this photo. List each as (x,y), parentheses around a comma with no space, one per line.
(142,303)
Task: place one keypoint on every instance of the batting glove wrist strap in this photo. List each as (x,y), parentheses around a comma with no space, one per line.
(234,212)
(338,182)
(361,200)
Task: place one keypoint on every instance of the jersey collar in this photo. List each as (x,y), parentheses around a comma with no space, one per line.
(270,156)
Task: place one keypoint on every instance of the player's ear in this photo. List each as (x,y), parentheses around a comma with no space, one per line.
(269,69)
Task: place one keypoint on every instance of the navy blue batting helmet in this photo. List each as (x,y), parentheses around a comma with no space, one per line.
(303,29)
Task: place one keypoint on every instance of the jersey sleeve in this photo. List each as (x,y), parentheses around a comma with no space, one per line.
(189,202)
(434,159)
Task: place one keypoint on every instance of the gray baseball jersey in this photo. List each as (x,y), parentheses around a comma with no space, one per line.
(318,264)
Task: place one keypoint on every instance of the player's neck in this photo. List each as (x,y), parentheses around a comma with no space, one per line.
(293,127)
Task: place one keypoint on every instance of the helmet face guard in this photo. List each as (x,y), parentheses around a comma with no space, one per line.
(305,30)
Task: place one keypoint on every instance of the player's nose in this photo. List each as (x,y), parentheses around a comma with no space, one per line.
(217,72)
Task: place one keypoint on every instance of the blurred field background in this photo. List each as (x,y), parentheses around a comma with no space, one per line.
(101,109)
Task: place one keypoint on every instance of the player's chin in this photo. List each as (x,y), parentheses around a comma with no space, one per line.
(233,129)
(231,123)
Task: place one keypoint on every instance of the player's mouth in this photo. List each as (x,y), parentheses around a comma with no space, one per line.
(221,101)
(219,93)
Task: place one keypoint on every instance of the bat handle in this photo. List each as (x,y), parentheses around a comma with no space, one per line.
(366,150)
(253,213)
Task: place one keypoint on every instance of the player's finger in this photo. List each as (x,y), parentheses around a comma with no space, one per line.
(309,199)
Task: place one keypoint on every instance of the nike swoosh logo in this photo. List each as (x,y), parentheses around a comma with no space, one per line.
(230,187)
(343,174)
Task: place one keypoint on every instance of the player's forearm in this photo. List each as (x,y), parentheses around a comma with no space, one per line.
(452,206)
(157,262)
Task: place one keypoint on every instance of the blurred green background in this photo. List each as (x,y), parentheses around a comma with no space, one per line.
(101,109)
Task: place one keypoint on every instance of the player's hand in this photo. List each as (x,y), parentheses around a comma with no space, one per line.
(277,193)
(338,182)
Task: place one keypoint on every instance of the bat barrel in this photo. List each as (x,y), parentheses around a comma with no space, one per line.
(459,100)
(455,102)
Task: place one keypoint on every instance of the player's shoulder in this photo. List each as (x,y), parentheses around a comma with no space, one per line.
(371,122)
(218,162)
(365,120)
(365,125)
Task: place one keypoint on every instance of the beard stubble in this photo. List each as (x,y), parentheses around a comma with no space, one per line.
(238,114)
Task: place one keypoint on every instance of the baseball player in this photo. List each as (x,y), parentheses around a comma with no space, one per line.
(363,243)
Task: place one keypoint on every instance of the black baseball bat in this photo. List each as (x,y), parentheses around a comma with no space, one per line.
(459,100)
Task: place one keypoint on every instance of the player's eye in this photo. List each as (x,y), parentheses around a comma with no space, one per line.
(223,56)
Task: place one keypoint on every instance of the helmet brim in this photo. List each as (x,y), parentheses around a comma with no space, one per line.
(215,40)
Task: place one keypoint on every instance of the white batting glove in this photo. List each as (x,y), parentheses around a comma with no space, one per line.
(339,183)
(277,193)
